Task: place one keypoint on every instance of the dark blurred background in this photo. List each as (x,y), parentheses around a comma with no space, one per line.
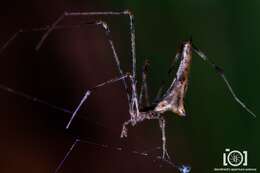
(33,136)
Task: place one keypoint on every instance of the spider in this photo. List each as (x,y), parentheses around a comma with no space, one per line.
(139,107)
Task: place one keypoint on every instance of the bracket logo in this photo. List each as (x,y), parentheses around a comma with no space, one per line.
(234,161)
(234,158)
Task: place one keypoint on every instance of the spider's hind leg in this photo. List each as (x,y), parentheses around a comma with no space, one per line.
(165,154)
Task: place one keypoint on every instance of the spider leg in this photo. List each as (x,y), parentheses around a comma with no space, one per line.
(102,23)
(108,13)
(133,103)
(41,29)
(177,57)
(174,61)
(158,96)
(144,95)
(220,71)
(48,29)
(88,92)
(162,124)
(133,99)
(66,14)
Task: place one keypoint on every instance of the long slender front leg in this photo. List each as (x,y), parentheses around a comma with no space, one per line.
(48,29)
(133,100)
(105,26)
(88,92)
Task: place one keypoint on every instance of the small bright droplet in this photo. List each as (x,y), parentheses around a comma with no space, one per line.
(184,169)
